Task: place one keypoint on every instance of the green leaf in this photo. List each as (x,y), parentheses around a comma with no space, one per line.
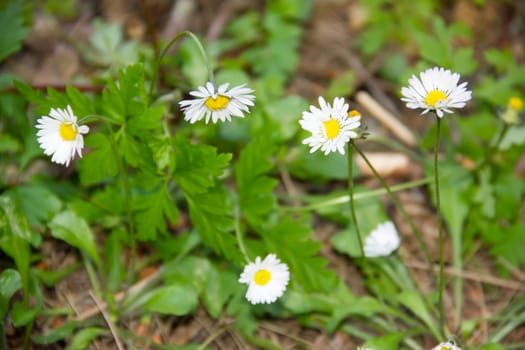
(342,85)
(220,286)
(150,211)
(100,164)
(12,17)
(212,215)
(318,166)
(370,212)
(22,315)
(197,166)
(491,346)
(51,278)
(84,337)
(308,268)
(284,113)
(74,230)
(56,334)
(386,342)
(365,306)
(126,97)
(14,222)
(11,282)
(177,272)
(113,254)
(172,300)
(485,194)
(256,198)
(412,300)
(302,302)
(37,203)
(108,48)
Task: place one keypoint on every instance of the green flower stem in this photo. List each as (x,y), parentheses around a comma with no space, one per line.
(238,234)
(417,233)
(351,195)
(357,196)
(440,229)
(165,51)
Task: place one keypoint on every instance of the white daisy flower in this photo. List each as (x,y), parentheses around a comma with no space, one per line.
(331,127)
(217,103)
(449,345)
(382,241)
(267,279)
(436,90)
(60,135)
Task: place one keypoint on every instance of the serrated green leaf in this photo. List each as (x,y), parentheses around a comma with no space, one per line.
(163,152)
(73,229)
(212,215)
(149,119)
(309,270)
(12,17)
(172,300)
(11,282)
(126,97)
(255,188)
(197,165)
(84,337)
(150,211)
(100,164)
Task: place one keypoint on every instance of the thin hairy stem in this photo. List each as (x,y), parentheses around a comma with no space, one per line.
(440,228)
(211,77)
(415,230)
(238,234)
(351,195)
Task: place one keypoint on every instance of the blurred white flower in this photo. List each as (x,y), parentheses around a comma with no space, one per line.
(217,103)
(437,90)
(382,241)
(331,127)
(267,279)
(449,345)
(59,135)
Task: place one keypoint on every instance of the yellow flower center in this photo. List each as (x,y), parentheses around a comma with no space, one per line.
(67,132)
(218,103)
(262,277)
(353,113)
(434,97)
(332,128)
(516,103)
